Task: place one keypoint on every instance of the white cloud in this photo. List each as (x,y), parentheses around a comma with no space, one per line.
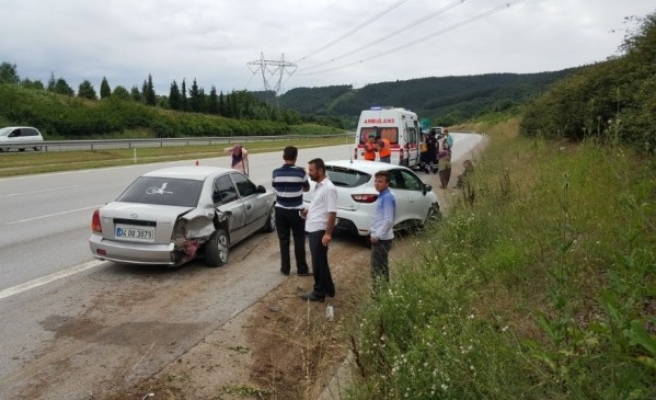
(213,40)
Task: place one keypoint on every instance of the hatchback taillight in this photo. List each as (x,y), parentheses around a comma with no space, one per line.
(95,222)
(364,198)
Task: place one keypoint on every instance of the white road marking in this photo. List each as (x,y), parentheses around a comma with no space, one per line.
(53,215)
(44,280)
(39,191)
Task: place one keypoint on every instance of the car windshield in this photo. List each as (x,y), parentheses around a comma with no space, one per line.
(4,131)
(346,177)
(163,191)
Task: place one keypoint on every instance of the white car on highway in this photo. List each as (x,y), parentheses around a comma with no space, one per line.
(416,203)
(16,135)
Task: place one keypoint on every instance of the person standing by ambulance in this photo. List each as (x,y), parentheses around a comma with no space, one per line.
(370,146)
(384,150)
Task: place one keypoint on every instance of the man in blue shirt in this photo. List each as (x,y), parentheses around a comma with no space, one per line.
(289,182)
(382,229)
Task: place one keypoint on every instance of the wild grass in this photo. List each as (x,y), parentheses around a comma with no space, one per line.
(544,287)
(30,162)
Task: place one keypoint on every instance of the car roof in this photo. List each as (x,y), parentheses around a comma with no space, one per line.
(17,127)
(188,172)
(370,167)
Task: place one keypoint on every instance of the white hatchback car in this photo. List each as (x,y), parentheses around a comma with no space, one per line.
(416,203)
(16,135)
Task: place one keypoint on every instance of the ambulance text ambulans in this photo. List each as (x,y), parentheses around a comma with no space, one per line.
(397,125)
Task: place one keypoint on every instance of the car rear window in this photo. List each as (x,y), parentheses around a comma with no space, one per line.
(346,177)
(163,191)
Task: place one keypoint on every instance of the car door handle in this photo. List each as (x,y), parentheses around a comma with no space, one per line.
(248,207)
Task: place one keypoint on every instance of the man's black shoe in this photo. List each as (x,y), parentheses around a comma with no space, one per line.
(286,273)
(311,296)
(306,273)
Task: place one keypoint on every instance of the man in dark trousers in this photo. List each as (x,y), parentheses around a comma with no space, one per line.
(382,229)
(431,152)
(289,182)
(319,226)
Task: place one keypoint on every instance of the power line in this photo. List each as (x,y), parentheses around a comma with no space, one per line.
(392,34)
(422,39)
(354,30)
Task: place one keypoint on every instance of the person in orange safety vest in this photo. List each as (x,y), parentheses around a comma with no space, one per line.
(384,150)
(370,147)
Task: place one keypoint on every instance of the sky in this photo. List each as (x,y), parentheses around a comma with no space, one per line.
(319,42)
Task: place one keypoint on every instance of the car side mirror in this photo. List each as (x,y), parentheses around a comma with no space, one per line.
(260,189)
(428,188)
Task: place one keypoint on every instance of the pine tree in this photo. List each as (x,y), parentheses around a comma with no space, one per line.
(194,97)
(222,105)
(202,100)
(213,102)
(149,92)
(86,91)
(61,87)
(175,99)
(51,82)
(105,90)
(185,103)
(144,89)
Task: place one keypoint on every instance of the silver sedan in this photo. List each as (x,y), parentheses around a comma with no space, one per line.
(173,215)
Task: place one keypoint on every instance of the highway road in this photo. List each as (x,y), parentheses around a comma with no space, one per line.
(60,307)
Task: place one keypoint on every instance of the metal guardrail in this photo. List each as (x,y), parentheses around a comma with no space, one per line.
(134,143)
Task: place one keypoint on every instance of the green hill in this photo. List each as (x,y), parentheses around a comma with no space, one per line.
(445,100)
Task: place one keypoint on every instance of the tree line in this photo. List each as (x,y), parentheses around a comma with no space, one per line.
(237,104)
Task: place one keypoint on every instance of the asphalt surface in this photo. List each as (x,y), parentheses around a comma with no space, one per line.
(73,326)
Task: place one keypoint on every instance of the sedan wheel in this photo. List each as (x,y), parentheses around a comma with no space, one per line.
(218,249)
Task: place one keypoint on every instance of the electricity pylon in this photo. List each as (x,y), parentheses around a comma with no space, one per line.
(272,68)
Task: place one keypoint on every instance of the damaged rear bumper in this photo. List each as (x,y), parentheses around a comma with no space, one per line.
(134,253)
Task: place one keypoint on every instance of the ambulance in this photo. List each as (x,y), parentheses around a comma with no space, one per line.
(398,125)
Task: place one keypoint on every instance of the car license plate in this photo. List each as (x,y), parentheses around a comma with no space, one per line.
(145,234)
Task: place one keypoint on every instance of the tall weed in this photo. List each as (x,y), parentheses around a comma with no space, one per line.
(543,288)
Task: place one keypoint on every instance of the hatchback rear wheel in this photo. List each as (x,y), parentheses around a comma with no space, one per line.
(434,214)
(218,249)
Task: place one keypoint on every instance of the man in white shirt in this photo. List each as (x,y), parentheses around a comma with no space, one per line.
(319,226)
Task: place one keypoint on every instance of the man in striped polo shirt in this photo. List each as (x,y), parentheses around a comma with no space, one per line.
(289,182)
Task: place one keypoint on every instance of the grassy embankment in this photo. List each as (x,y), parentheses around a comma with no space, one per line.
(31,162)
(543,287)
